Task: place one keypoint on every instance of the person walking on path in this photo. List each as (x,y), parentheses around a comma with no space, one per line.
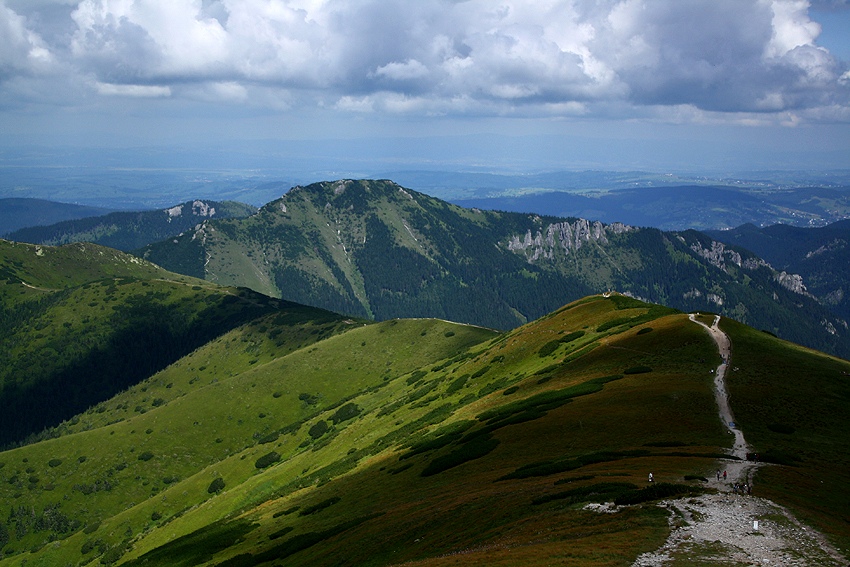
(724,475)
(650,477)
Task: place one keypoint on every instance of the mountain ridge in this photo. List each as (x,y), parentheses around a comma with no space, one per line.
(376,249)
(127,231)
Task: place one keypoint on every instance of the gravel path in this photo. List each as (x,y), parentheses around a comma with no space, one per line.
(719,528)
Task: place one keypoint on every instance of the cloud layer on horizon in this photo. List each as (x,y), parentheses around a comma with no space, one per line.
(745,60)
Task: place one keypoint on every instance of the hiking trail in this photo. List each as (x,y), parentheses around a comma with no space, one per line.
(720,527)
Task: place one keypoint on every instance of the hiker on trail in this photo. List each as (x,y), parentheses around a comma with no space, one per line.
(718,474)
(650,477)
(724,475)
(746,489)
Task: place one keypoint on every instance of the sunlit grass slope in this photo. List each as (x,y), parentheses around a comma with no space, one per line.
(421,442)
(230,398)
(410,440)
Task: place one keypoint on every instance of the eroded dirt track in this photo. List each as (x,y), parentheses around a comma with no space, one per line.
(720,527)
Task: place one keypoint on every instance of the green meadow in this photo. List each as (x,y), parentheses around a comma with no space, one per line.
(295,436)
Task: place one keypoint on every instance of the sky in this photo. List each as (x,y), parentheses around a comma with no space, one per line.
(525,85)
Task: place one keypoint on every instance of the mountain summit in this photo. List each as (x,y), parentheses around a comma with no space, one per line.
(376,249)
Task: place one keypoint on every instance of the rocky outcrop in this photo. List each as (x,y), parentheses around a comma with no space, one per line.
(199,209)
(566,236)
(793,282)
(720,256)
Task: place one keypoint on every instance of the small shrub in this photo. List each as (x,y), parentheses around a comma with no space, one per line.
(280,533)
(91,545)
(270,438)
(91,528)
(510,391)
(53,463)
(399,469)
(286,512)
(113,555)
(216,486)
(548,348)
(157,402)
(457,384)
(448,334)
(156,516)
(603,491)
(82,459)
(416,377)
(612,323)
(319,506)
(476,448)
(267,460)
(318,429)
(645,330)
(146,456)
(637,370)
(481,372)
(308,399)
(346,412)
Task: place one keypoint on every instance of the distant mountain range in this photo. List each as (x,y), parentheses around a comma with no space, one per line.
(375,249)
(700,207)
(131,230)
(16,213)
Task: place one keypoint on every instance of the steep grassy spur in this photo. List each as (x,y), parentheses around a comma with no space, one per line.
(80,323)
(153,452)
(489,455)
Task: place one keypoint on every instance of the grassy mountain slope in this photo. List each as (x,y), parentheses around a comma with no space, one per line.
(820,255)
(17,213)
(420,441)
(130,230)
(793,404)
(82,322)
(374,249)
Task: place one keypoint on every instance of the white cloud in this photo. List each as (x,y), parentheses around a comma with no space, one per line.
(21,49)
(444,56)
(110,89)
(410,69)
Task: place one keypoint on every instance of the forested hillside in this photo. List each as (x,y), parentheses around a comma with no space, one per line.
(130,230)
(821,256)
(375,249)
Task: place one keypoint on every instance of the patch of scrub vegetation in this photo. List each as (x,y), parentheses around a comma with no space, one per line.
(547,468)
(600,492)
(475,448)
(198,547)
